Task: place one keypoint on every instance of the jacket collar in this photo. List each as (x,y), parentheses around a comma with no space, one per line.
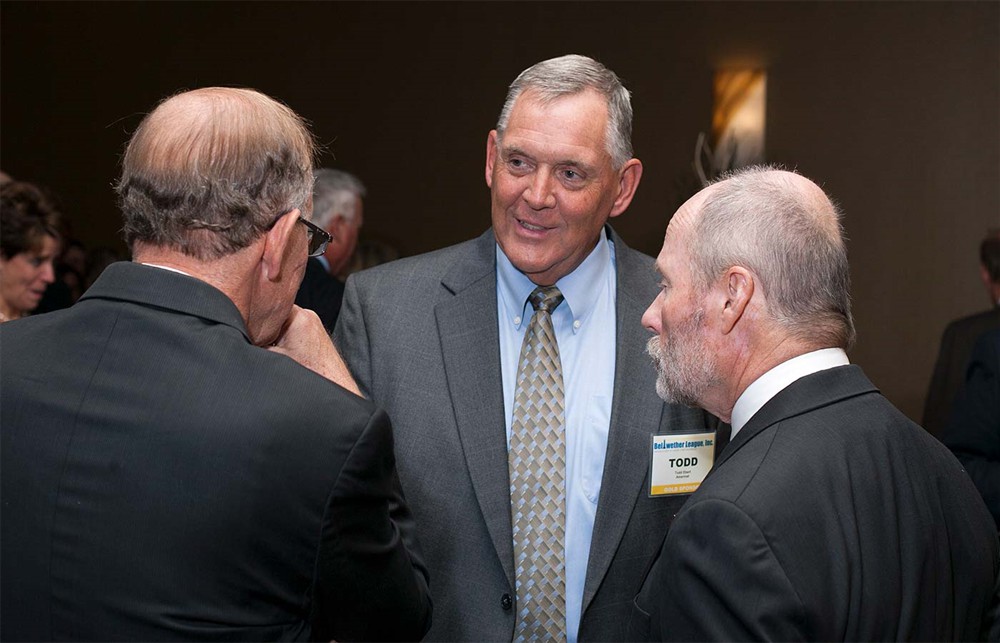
(151,286)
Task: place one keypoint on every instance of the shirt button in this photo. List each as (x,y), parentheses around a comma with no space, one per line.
(506,602)
(576,324)
(517,320)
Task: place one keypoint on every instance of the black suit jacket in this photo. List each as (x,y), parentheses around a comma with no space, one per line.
(973,433)
(320,292)
(164,479)
(949,369)
(829,517)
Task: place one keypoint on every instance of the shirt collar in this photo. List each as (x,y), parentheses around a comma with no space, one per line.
(778,378)
(156,265)
(579,288)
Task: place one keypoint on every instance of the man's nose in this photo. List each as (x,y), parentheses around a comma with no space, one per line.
(651,318)
(539,194)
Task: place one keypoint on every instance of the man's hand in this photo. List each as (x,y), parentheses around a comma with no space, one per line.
(304,339)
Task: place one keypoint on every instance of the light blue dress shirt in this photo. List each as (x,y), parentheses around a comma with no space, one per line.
(585,329)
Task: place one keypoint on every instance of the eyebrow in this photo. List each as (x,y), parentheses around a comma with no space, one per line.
(513,151)
(516,151)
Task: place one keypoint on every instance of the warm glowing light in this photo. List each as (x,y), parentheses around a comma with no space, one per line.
(738,118)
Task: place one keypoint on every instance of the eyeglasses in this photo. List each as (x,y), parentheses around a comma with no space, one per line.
(318,237)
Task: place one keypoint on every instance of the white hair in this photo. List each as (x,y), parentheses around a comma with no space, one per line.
(788,232)
(333,196)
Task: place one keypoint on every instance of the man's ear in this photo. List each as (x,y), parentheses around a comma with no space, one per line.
(277,244)
(628,183)
(492,150)
(736,288)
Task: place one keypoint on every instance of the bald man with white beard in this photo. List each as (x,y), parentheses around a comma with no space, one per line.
(830,515)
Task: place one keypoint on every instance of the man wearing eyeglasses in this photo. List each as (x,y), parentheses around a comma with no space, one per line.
(184,456)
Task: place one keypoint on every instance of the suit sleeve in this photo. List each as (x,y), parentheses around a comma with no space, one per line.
(350,336)
(717,579)
(973,431)
(369,585)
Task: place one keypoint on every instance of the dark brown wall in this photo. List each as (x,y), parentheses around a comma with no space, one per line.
(894,107)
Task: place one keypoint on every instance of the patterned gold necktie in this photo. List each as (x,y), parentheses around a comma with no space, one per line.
(537,465)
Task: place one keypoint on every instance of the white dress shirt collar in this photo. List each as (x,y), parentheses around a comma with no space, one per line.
(778,378)
(577,288)
(156,265)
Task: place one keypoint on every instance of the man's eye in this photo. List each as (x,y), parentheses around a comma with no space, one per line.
(572,175)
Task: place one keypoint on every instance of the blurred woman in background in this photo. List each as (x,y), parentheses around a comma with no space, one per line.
(29,243)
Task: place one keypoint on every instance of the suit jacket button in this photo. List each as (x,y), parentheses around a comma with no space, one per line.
(506,602)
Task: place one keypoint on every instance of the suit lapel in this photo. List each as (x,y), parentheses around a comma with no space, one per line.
(470,345)
(801,396)
(635,415)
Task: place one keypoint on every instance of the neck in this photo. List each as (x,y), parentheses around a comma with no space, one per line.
(757,358)
(224,273)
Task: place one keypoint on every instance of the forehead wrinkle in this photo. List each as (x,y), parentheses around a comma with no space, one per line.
(526,114)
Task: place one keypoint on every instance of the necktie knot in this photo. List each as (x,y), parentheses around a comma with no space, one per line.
(545,298)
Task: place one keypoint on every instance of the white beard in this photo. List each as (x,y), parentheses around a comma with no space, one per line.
(684,368)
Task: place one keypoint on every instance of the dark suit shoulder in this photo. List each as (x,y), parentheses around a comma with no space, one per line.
(832,489)
(975,324)
(320,292)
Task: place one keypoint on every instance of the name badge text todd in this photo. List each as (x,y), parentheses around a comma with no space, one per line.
(680,462)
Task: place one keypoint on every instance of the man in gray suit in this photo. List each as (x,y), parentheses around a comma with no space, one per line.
(436,340)
(830,516)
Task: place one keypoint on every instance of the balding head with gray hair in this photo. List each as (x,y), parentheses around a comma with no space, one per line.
(785,229)
(552,79)
(209,170)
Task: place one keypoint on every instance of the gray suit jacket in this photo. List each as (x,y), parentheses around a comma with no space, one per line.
(829,517)
(421,337)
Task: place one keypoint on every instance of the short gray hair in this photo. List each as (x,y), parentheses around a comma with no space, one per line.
(209,170)
(763,219)
(568,75)
(333,196)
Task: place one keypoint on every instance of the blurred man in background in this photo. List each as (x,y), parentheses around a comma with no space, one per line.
(959,338)
(338,209)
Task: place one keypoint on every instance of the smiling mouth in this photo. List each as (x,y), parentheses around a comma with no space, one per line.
(530,226)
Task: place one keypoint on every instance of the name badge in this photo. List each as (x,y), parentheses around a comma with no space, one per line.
(679,462)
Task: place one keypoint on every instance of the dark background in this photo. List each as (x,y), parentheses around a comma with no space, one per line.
(894,107)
